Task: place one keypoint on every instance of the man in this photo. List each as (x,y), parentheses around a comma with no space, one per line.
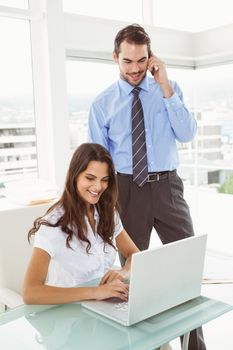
(138,119)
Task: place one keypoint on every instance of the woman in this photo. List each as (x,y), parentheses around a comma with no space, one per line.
(77,239)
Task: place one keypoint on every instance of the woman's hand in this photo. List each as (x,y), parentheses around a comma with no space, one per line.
(116,289)
(111,275)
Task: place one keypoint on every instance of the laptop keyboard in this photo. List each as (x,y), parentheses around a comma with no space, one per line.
(122,306)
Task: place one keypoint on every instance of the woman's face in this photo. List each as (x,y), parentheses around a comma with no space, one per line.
(93,181)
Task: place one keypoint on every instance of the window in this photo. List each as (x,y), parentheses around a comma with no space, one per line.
(207,162)
(17,125)
(124,10)
(192,16)
(211,104)
(22,4)
(85,80)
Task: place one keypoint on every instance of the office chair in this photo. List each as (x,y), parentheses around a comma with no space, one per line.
(15,251)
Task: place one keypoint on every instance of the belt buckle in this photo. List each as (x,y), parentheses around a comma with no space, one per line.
(154,177)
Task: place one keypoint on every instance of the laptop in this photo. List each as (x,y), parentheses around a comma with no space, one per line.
(160,279)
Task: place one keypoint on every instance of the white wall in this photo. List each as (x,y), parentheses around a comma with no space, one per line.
(93,37)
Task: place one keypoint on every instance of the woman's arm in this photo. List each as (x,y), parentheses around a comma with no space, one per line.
(36,292)
(126,247)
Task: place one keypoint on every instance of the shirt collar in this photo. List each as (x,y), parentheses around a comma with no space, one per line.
(96,218)
(128,88)
(96,215)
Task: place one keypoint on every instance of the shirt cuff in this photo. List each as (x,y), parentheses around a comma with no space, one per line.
(173,102)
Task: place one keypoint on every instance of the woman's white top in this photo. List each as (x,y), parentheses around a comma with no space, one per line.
(71,267)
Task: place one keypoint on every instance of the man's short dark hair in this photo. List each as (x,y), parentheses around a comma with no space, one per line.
(133,34)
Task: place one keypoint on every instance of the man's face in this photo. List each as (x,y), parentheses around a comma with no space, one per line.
(132,61)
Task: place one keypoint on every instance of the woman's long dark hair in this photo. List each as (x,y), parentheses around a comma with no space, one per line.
(72,220)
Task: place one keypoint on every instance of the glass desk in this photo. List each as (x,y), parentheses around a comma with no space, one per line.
(69,326)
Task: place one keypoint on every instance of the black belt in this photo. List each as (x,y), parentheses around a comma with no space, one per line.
(152,177)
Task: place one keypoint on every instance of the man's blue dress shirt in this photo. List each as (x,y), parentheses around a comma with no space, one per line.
(166,120)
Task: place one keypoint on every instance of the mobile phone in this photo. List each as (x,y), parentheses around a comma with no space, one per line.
(153,69)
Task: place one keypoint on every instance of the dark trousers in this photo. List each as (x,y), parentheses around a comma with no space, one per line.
(158,204)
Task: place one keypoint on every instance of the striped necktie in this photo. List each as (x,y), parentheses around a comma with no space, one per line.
(140,167)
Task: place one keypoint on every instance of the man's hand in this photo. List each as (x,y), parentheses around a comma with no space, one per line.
(158,70)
